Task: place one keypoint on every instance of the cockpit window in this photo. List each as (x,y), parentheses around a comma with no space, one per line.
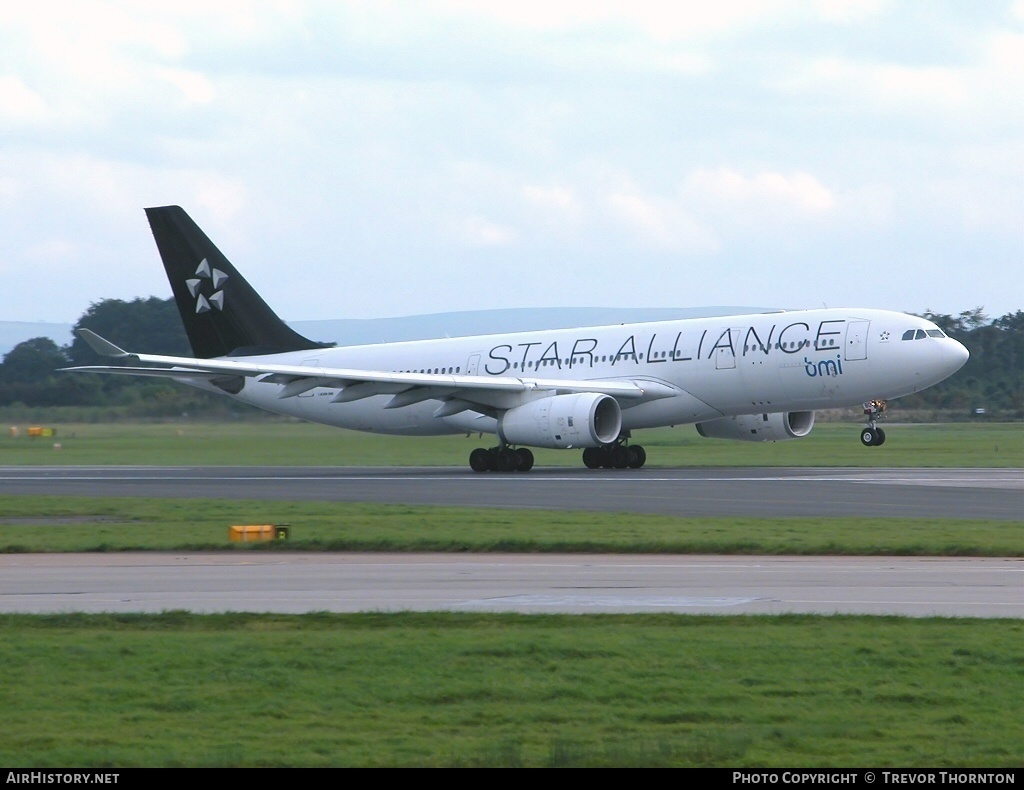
(920,334)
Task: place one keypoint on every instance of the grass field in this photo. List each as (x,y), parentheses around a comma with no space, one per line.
(505,690)
(296,443)
(56,523)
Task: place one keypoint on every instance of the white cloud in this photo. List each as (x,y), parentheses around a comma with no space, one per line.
(681,19)
(224,199)
(632,56)
(562,135)
(890,86)
(795,194)
(93,42)
(660,222)
(194,87)
(849,10)
(984,85)
(18,102)
(908,86)
(480,232)
(558,207)
(1005,52)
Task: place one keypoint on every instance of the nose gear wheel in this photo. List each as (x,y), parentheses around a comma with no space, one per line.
(873,436)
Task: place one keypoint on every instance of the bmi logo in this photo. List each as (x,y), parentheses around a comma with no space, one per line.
(216,278)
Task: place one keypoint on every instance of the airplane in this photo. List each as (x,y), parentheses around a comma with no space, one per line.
(757,377)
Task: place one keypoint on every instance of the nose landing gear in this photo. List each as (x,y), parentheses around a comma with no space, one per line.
(873,436)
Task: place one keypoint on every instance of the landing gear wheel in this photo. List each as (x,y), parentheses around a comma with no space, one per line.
(873,436)
(637,456)
(525,456)
(618,455)
(508,460)
(480,460)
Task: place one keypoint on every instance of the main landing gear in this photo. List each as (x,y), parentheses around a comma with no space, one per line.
(873,436)
(615,456)
(501,459)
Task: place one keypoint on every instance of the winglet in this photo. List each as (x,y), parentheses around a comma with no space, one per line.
(102,347)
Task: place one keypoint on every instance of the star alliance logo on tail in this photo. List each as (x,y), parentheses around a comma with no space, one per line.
(217,278)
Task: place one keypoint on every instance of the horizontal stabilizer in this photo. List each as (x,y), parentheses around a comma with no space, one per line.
(161,373)
(101,346)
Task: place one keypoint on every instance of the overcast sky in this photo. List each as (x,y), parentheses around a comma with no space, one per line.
(365,159)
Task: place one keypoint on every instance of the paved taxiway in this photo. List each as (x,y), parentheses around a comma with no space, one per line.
(753,492)
(295,583)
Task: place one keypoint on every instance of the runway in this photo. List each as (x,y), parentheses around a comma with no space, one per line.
(755,492)
(297,583)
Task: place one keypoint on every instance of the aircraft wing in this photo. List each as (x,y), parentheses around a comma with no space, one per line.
(462,391)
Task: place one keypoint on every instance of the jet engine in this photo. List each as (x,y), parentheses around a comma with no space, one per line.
(759,427)
(587,419)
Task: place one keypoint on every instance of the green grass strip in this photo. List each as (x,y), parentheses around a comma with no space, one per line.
(57,523)
(295,443)
(507,690)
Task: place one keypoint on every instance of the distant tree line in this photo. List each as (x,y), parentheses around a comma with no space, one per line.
(992,380)
(29,373)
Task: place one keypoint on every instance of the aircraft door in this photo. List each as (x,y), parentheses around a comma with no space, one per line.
(725,356)
(473,365)
(857,340)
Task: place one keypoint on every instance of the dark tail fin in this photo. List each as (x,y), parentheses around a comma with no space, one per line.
(223,315)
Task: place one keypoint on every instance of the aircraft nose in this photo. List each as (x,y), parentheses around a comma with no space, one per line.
(956,355)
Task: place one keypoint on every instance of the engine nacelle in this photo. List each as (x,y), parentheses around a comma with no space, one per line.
(759,427)
(587,419)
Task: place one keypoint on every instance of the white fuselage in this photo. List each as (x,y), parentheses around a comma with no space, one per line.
(709,368)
